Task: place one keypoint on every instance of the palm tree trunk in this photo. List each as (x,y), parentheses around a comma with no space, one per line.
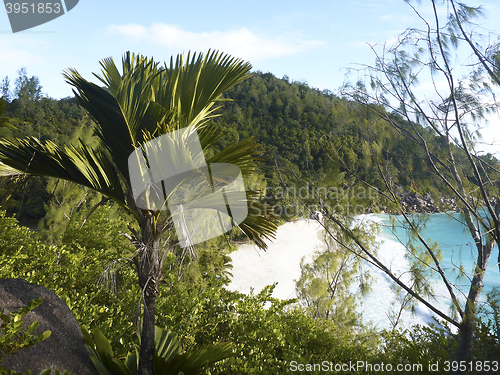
(150,276)
(147,337)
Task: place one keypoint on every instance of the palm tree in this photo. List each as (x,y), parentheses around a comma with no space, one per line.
(144,101)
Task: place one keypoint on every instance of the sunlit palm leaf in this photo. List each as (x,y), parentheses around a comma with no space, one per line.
(260,224)
(5,170)
(194,82)
(243,154)
(112,127)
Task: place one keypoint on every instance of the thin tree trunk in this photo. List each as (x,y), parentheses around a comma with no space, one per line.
(468,320)
(467,329)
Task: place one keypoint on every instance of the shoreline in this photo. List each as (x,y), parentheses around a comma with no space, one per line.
(254,269)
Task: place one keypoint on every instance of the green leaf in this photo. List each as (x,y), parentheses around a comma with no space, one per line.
(166,344)
(102,344)
(100,366)
(32,328)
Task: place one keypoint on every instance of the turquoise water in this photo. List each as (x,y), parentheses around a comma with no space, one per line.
(456,244)
(457,249)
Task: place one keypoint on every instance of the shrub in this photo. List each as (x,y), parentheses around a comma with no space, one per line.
(13,335)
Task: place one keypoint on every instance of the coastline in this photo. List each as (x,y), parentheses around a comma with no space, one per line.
(254,269)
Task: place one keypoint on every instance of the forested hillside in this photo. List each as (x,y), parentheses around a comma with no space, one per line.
(328,140)
(315,131)
(34,114)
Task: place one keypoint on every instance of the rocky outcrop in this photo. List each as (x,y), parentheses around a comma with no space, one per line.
(415,202)
(412,201)
(450,203)
(64,349)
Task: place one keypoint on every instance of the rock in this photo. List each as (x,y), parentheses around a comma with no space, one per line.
(428,198)
(64,349)
(448,203)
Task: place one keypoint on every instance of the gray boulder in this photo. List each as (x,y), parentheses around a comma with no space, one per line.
(64,349)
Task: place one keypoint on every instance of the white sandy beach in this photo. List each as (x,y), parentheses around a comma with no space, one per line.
(255,269)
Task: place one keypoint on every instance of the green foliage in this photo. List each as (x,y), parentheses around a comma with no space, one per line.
(79,215)
(434,343)
(490,312)
(4,121)
(49,119)
(5,89)
(73,268)
(27,196)
(27,89)
(13,335)
(421,344)
(325,284)
(267,333)
(31,114)
(168,356)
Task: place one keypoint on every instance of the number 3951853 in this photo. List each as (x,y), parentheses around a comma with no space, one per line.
(24,8)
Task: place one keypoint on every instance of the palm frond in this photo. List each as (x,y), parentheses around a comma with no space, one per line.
(260,223)
(193,84)
(112,127)
(81,164)
(6,170)
(244,154)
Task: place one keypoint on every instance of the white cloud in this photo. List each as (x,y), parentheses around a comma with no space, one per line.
(17,52)
(241,42)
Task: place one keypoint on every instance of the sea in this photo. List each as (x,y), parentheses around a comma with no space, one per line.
(300,240)
(449,234)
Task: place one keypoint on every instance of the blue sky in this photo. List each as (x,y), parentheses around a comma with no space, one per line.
(310,41)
